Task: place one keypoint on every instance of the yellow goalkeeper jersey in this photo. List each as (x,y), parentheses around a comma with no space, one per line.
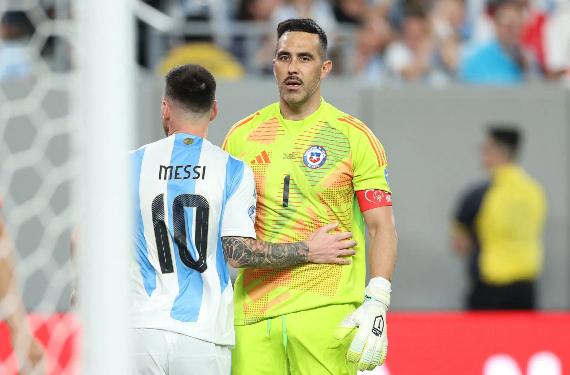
(306,175)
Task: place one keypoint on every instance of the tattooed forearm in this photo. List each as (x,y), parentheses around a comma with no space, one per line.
(247,252)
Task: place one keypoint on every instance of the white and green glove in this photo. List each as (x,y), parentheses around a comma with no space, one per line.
(370,344)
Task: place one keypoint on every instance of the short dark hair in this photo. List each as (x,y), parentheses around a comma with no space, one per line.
(492,6)
(192,86)
(506,135)
(414,11)
(305,25)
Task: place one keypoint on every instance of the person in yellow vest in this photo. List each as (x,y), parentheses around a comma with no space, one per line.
(498,226)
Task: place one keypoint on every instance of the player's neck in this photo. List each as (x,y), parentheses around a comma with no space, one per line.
(300,112)
(198,129)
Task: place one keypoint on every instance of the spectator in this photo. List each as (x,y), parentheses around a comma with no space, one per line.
(498,225)
(448,22)
(532,36)
(411,57)
(257,10)
(501,60)
(349,11)
(15,59)
(557,42)
(371,41)
(397,9)
(319,10)
(253,50)
(478,25)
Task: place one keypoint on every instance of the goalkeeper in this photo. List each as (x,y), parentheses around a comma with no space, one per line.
(313,164)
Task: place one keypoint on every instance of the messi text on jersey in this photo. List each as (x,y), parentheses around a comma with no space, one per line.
(181,172)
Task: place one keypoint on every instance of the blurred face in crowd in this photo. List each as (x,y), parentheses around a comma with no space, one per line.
(415,30)
(261,10)
(453,11)
(354,8)
(493,154)
(509,20)
(375,33)
(298,67)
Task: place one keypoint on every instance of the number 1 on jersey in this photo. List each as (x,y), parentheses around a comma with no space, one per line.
(286,182)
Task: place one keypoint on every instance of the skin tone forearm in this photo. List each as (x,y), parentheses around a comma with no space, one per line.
(246,252)
(382,241)
(321,247)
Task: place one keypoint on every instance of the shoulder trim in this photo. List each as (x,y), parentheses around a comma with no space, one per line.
(359,125)
(237,125)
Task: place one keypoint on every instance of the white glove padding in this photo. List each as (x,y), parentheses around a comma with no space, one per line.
(370,344)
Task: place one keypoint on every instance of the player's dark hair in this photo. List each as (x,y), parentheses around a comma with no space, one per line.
(507,136)
(305,25)
(415,11)
(192,86)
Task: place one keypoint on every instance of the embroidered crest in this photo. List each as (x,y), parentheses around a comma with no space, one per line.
(315,157)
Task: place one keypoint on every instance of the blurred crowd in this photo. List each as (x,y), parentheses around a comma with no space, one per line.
(379,41)
(431,41)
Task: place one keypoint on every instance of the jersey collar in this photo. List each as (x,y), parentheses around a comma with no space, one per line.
(298,124)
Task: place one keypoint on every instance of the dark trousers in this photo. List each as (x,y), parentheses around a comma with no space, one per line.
(516,296)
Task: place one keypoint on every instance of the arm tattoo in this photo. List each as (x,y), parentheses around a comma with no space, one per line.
(247,252)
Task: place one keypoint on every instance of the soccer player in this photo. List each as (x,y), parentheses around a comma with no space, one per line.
(194,209)
(14,312)
(312,164)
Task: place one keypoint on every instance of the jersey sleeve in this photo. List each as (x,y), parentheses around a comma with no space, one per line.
(234,137)
(368,160)
(239,210)
(227,144)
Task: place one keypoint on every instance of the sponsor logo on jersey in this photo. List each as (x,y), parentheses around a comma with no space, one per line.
(315,157)
(261,158)
(289,155)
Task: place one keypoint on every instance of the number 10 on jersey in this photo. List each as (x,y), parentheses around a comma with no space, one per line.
(200,243)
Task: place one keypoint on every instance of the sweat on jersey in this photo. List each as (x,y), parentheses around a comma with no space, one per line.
(306,174)
(187,194)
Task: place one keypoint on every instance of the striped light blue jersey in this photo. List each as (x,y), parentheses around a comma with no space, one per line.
(187,193)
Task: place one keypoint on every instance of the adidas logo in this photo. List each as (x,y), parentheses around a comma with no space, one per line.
(261,158)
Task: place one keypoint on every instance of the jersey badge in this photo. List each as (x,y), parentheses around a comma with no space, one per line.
(315,157)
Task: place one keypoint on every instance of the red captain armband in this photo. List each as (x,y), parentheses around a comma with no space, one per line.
(372,198)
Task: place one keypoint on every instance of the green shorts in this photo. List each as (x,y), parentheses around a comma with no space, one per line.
(301,343)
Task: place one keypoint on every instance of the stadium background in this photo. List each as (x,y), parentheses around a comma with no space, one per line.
(431,134)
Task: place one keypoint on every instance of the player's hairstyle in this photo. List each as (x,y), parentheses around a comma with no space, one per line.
(305,25)
(191,86)
(507,136)
(415,11)
(492,6)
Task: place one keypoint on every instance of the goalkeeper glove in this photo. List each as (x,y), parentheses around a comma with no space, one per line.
(370,344)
